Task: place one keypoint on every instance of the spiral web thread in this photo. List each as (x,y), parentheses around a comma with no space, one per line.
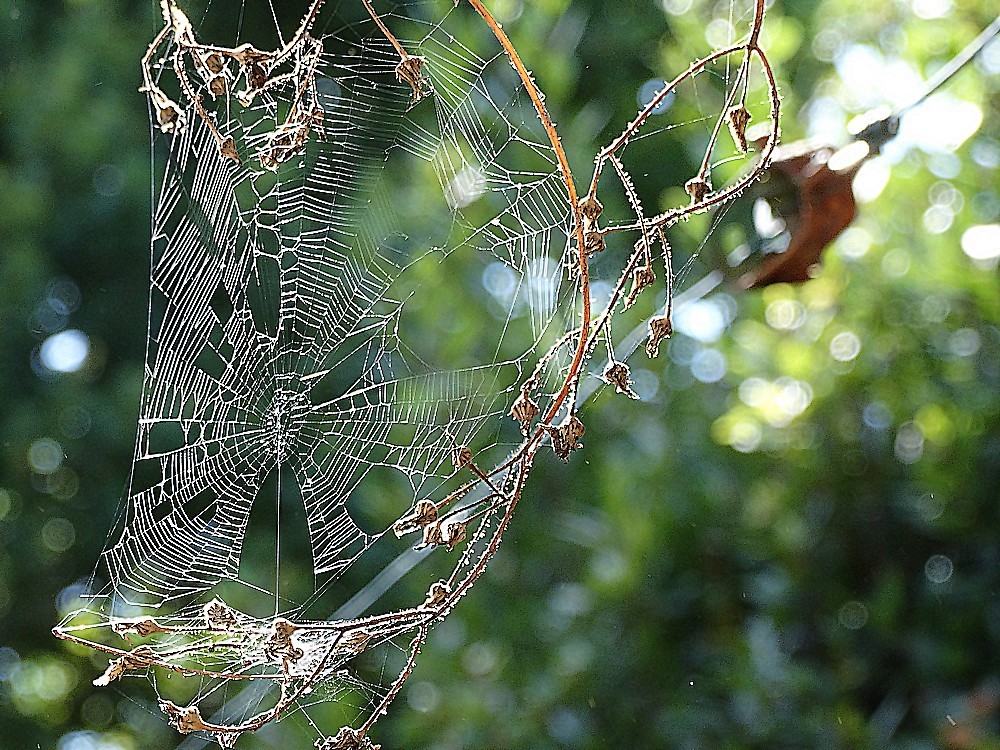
(304,276)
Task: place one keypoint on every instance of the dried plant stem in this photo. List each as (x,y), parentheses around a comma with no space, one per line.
(385,29)
(574,202)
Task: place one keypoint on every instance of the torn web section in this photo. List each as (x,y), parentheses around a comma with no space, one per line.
(338,331)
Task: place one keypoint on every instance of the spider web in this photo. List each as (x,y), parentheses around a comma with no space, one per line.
(310,386)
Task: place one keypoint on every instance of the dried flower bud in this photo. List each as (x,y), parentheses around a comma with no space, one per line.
(524,410)
(185,720)
(738,117)
(142,627)
(617,374)
(659,329)
(461,456)
(213,61)
(219,616)
(425,513)
(437,593)
(565,436)
(593,242)
(410,70)
(227,149)
(591,208)
(217,86)
(168,114)
(697,188)
(641,278)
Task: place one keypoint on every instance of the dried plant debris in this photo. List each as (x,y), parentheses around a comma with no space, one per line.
(202,68)
(139,658)
(642,277)
(524,411)
(566,436)
(738,118)
(240,107)
(660,328)
(619,375)
(347,739)
(425,513)
(437,594)
(698,188)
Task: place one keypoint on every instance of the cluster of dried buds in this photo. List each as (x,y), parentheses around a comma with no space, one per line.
(437,532)
(258,70)
(280,646)
(593,239)
(566,435)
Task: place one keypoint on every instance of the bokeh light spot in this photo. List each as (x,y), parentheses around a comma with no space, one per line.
(65,351)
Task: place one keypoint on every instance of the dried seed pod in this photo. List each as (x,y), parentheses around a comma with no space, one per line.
(142,627)
(410,70)
(737,118)
(565,436)
(219,616)
(617,374)
(641,278)
(660,328)
(524,410)
(426,513)
(227,149)
(697,188)
(168,115)
(461,456)
(217,86)
(593,242)
(437,594)
(186,719)
(591,208)
(445,533)
(213,61)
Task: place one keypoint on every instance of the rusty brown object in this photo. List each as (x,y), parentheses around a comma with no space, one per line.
(825,208)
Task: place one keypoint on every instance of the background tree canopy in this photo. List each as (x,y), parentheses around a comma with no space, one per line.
(790,542)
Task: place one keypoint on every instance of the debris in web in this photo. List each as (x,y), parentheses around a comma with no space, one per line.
(300,368)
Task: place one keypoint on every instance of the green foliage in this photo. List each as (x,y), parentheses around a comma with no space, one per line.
(792,544)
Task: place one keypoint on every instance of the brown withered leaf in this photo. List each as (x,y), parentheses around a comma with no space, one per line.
(824,207)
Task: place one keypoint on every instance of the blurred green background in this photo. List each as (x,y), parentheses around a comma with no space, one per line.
(791,542)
